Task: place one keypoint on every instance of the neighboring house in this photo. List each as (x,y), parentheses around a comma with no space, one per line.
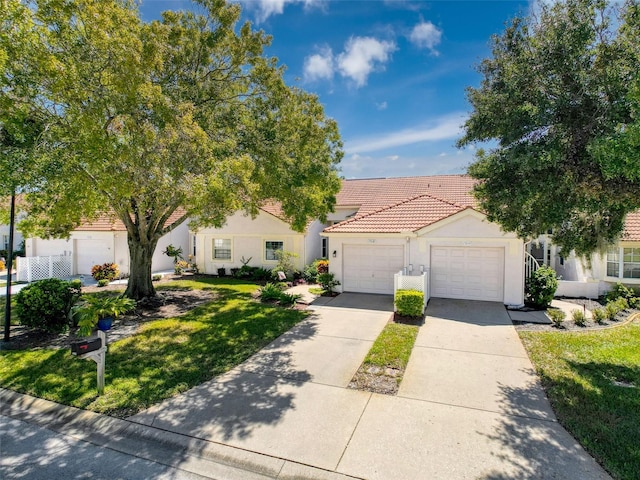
(4,237)
(594,276)
(105,241)
(256,241)
(423,224)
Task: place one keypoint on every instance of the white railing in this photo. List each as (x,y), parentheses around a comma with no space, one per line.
(420,282)
(30,269)
(530,265)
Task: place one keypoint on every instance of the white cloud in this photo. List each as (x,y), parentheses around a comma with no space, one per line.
(363,55)
(381,106)
(265,8)
(319,66)
(426,35)
(393,158)
(449,126)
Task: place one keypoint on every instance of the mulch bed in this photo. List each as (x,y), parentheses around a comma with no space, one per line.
(166,304)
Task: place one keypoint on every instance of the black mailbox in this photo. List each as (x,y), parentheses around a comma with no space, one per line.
(86,346)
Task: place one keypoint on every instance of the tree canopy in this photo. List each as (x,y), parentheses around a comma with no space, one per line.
(560,99)
(163,121)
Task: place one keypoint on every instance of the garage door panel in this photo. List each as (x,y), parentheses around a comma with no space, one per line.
(89,253)
(370,269)
(467,273)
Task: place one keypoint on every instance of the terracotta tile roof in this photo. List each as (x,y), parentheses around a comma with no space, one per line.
(631,232)
(375,193)
(109,223)
(406,216)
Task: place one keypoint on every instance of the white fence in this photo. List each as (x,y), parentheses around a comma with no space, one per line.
(30,269)
(418,282)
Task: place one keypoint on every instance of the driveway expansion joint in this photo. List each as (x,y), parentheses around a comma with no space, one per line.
(470,351)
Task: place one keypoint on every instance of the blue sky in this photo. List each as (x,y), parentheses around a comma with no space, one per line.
(391,73)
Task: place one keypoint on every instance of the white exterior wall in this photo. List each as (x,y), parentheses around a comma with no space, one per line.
(466,229)
(117,247)
(313,242)
(248,237)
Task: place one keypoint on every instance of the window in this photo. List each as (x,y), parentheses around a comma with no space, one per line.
(222,249)
(193,252)
(270,249)
(623,262)
(5,242)
(324,251)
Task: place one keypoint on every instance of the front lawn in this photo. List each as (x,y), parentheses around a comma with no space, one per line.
(163,358)
(593,382)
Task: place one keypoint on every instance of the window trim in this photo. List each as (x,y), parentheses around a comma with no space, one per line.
(619,249)
(264,249)
(324,247)
(213,249)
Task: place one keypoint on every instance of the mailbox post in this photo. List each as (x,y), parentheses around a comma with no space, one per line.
(94,349)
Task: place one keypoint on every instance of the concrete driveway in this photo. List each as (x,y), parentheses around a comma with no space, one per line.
(469,407)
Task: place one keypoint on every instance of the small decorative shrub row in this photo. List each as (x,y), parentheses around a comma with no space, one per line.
(274,292)
(46,304)
(246,272)
(106,271)
(409,303)
(557,316)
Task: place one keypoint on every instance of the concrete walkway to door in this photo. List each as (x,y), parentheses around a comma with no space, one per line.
(469,407)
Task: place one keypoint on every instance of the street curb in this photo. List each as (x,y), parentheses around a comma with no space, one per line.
(196,455)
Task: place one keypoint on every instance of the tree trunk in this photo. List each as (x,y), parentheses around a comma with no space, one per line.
(140,284)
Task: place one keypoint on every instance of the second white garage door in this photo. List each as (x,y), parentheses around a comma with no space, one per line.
(89,253)
(370,269)
(467,273)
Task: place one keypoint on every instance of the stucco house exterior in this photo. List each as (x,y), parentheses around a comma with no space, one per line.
(255,240)
(580,277)
(423,224)
(105,241)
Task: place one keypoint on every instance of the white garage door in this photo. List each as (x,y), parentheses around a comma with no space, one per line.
(370,269)
(89,253)
(468,273)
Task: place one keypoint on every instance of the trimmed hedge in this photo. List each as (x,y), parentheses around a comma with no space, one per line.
(46,304)
(409,303)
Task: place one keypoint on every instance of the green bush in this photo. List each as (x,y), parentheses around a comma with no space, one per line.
(106,271)
(598,315)
(409,303)
(252,273)
(541,287)
(288,299)
(156,277)
(622,303)
(619,291)
(578,317)
(271,292)
(327,281)
(557,316)
(634,302)
(611,309)
(103,282)
(46,304)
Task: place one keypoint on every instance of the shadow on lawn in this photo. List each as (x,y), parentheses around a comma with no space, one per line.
(597,416)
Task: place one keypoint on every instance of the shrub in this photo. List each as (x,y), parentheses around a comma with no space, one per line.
(2,265)
(327,281)
(288,299)
(180,266)
(634,302)
(103,282)
(619,291)
(557,316)
(409,303)
(271,292)
(96,307)
(578,317)
(222,272)
(322,266)
(611,309)
(598,315)
(106,271)
(622,303)
(310,273)
(286,262)
(46,304)
(542,286)
(156,277)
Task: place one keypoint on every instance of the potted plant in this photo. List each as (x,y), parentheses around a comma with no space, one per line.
(100,311)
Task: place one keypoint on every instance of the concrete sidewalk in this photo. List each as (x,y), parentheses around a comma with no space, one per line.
(469,406)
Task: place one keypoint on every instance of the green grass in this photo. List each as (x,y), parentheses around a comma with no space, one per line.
(578,371)
(162,359)
(393,346)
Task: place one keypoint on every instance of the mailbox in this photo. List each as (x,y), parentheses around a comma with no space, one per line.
(86,346)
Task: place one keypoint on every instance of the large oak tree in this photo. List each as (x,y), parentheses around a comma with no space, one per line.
(559,98)
(164,121)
